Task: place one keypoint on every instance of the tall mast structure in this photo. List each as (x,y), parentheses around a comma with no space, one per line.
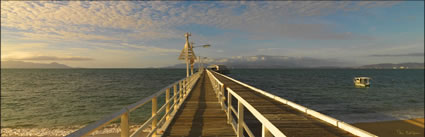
(187,54)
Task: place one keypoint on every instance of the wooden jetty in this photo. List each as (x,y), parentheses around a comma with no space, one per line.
(211,104)
(201,114)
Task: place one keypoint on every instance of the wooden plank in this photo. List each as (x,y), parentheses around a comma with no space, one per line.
(201,114)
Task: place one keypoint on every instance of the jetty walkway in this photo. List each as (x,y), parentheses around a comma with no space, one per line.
(201,114)
(292,122)
(211,104)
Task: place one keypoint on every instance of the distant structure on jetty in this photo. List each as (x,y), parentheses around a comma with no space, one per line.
(207,103)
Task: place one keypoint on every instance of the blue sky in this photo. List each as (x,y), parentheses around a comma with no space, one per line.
(129,34)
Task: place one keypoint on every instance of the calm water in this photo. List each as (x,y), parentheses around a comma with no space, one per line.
(61,98)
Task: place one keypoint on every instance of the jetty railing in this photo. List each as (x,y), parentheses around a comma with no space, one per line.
(268,128)
(181,90)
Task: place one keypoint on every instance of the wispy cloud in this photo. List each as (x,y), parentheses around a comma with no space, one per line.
(127,32)
(398,55)
(151,48)
(117,20)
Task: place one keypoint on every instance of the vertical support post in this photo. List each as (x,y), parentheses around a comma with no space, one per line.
(154,110)
(220,98)
(265,132)
(229,110)
(187,46)
(125,130)
(188,84)
(187,66)
(181,91)
(167,100)
(185,87)
(215,89)
(175,97)
(240,119)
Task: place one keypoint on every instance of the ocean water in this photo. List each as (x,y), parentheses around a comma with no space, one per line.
(393,95)
(59,101)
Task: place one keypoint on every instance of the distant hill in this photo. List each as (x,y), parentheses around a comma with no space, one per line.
(394,66)
(21,64)
(264,61)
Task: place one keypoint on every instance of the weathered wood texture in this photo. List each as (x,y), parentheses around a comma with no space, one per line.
(291,122)
(201,114)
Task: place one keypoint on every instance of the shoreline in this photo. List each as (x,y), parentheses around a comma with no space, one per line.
(393,128)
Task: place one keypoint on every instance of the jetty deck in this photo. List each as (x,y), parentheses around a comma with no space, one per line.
(292,122)
(208,103)
(201,114)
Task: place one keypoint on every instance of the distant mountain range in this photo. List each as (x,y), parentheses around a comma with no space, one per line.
(22,64)
(260,61)
(394,66)
(263,61)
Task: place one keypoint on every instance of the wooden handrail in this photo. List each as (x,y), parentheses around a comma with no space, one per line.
(178,98)
(263,120)
(269,128)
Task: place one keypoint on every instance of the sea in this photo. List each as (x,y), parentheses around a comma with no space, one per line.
(56,102)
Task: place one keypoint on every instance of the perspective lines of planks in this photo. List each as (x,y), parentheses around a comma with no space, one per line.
(291,122)
(200,115)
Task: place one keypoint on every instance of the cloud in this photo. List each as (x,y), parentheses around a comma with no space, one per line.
(268,20)
(80,20)
(398,55)
(120,20)
(302,31)
(98,28)
(151,48)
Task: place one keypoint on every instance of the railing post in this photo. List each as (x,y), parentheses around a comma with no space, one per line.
(184,87)
(125,130)
(175,97)
(220,97)
(217,90)
(181,91)
(229,109)
(240,119)
(187,85)
(167,100)
(265,132)
(154,110)
(215,85)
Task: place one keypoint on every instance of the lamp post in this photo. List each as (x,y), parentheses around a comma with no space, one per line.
(192,63)
(204,46)
(201,64)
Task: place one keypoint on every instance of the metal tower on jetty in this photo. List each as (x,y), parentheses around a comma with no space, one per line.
(187,54)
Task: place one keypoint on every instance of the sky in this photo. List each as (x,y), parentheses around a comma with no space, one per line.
(128,34)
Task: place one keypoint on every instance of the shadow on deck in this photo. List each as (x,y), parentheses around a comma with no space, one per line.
(201,114)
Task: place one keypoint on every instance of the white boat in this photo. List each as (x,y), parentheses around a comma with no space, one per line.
(362,81)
